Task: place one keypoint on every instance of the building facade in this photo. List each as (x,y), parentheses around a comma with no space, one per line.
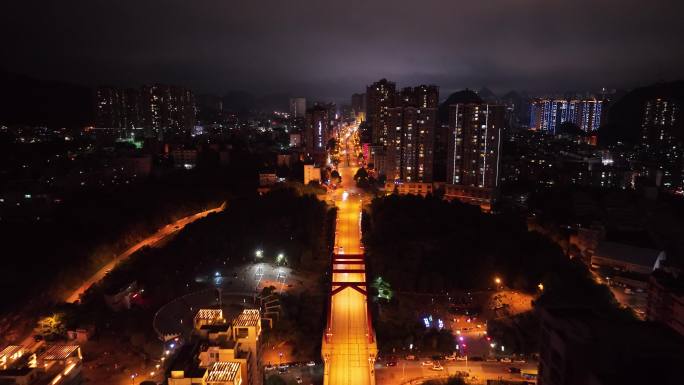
(547,114)
(297,107)
(380,98)
(474,144)
(316,132)
(411,135)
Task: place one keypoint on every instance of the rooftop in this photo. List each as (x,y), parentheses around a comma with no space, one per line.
(58,352)
(248,317)
(10,351)
(209,314)
(222,372)
(626,253)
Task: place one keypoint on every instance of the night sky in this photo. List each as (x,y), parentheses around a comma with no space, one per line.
(331,49)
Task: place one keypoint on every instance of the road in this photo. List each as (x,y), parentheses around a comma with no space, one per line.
(160,235)
(349,347)
(477,371)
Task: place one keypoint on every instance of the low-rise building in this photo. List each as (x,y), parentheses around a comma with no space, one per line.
(406,188)
(227,353)
(57,364)
(584,347)
(666,300)
(311,173)
(627,258)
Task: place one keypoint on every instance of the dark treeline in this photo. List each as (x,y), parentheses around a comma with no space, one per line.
(92,226)
(430,245)
(282,221)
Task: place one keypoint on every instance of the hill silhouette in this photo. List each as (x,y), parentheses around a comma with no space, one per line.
(25,100)
(463,96)
(623,120)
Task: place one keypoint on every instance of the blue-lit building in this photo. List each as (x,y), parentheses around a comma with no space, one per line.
(547,114)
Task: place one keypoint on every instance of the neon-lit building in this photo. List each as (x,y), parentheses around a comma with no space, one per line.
(547,114)
(317,132)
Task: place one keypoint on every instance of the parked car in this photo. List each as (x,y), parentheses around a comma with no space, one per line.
(426,363)
(506,359)
(437,367)
(310,363)
(450,357)
(411,357)
(391,363)
(462,358)
(269,367)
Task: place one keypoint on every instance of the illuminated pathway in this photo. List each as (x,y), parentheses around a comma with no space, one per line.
(349,347)
(164,232)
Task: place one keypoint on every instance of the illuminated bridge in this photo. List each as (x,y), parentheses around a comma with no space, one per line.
(349,348)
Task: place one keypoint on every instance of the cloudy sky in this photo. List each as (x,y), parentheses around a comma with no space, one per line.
(330,49)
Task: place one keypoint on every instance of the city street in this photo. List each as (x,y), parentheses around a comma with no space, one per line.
(477,371)
(347,343)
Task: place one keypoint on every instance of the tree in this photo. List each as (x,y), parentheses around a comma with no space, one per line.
(335,177)
(52,327)
(361,173)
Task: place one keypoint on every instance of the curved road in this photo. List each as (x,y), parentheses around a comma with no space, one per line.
(164,232)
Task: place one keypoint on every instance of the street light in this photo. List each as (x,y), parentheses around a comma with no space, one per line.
(497,280)
(541,287)
(280,257)
(259,253)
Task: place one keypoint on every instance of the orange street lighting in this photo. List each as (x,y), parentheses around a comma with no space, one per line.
(497,280)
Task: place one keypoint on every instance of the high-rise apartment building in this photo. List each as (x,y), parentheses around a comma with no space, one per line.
(109,107)
(316,131)
(117,108)
(380,98)
(411,134)
(662,154)
(474,144)
(660,119)
(547,114)
(297,107)
(166,108)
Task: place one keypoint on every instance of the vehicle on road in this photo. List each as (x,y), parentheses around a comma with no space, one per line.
(310,363)
(426,363)
(462,358)
(506,359)
(450,357)
(282,370)
(411,357)
(269,367)
(391,363)
(513,369)
(437,367)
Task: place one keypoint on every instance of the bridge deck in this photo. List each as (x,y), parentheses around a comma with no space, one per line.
(348,346)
